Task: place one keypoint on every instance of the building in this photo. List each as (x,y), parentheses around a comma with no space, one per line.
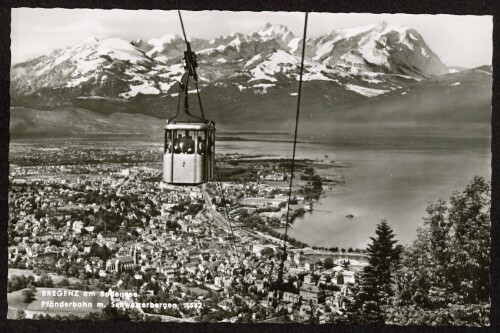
(219,281)
(290,297)
(312,293)
(262,202)
(346,277)
(308,279)
(120,263)
(276,176)
(259,284)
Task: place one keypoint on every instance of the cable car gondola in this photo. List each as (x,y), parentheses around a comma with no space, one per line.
(188,155)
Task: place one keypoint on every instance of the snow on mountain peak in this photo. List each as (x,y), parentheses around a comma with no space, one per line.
(284,63)
(120,49)
(362,56)
(393,48)
(236,42)
(277,30)
(91,41)
(158,45)
(293,44)
(273,64)
(347,33)
(92,48)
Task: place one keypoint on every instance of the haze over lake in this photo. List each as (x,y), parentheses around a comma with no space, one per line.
(390,176)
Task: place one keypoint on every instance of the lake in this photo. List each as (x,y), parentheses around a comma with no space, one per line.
(388,176)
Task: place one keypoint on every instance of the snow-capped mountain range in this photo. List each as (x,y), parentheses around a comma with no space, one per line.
(369,60)
(257,70)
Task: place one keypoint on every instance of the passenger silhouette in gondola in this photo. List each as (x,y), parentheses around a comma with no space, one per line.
(201,146)
(169,145)
(177,144)
(183,144)
(189,144)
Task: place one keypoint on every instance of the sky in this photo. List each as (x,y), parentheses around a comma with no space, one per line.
(459,40)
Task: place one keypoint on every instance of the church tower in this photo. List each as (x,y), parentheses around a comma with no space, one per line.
(133,252)
(136,255)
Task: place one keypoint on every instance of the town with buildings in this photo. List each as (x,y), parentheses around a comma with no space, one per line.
(100,221)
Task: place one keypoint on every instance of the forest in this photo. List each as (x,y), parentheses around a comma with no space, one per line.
(442,279)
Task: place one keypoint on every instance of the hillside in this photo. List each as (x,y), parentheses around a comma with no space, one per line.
(70,121)
(462,97)
(457,98)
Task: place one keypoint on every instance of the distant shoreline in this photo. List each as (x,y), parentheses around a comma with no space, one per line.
(237,138)
(253,133)
(136,136)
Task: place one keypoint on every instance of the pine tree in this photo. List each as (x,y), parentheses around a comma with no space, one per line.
(28,295)
(111,313)
(374,289)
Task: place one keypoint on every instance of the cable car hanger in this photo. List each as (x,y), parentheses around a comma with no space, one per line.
(191,63)
(188,160)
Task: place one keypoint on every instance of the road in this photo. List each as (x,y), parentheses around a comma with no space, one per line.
(217,217)
(221,220)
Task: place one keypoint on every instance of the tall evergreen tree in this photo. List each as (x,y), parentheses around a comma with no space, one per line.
(372,295)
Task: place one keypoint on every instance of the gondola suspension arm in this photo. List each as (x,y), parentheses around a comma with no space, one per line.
(191,65)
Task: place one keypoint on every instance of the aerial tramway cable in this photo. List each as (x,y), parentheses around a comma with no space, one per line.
(278,292)
(191,63)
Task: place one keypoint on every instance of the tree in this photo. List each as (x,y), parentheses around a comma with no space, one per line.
(317,183)
(267,251)
(28,295)
(45,281)
(64,282)
(469,216)
(444,275)
(374,290)
(136,315)
(309,171)
(18,282)
(20,314)
(328,263)
(113,314)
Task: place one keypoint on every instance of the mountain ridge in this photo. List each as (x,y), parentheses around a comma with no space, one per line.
(154,66)
(348,72)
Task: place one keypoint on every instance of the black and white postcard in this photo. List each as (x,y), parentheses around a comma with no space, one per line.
(249,167)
